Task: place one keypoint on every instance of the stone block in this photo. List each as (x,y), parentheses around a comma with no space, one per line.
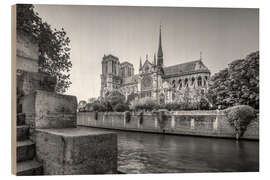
(76,151)
(26,52)
(29,82)
(20,119)
(49,110)
(25,150)
(22,132)
(29,168)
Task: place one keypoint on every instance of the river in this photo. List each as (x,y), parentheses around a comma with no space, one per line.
(157,153)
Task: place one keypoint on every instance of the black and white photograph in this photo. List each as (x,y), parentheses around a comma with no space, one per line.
(134,89)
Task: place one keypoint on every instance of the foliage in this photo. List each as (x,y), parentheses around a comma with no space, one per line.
(204,104)
(82,105)
(237,84)
(97,106)
(240,117)
(54,49)
(179,106)
(107,105)
(146,104)
(121,107)
(114,98)
(149,104)
(132,97)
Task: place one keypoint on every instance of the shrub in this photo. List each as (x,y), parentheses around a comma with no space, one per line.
(107,105)
(115,98)
(203,104)
(121,107)
(131,97)
(97,106)
(239,118)
(146,104)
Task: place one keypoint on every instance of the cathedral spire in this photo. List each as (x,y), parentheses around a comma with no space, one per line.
(160,52)
(140,62)
(155,63)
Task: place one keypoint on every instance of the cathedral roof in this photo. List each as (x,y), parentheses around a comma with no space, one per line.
(185,68)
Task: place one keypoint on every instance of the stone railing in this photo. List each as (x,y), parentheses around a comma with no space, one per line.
(199,123)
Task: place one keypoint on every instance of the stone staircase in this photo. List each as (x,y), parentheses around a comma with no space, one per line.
(25,150)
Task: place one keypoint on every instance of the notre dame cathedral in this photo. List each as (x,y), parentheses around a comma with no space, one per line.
(163,83)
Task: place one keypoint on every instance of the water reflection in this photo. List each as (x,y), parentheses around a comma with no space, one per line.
(155,153)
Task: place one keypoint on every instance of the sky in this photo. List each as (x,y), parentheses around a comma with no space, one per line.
(221,34)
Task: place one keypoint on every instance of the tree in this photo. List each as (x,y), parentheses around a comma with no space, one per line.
(131,97)
(54,50)
(114,98)
(237,84)
(239,117)
(82,104)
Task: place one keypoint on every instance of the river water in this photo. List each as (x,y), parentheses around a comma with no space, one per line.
(157,153)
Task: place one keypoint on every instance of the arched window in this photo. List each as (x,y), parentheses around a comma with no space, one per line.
(192,81)
(186,82)
(199,81)
(180,83)
(106,68)
(205,80)
(173,83)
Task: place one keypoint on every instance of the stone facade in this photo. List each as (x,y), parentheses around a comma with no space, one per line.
(163,83)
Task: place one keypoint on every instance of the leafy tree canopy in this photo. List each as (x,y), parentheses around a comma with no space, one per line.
(237,84)
(115,97)
(54,49)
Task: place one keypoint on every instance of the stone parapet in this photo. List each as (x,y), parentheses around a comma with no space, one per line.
(195,123)
(76,151)
(26,52)
(29,82)
(49,110)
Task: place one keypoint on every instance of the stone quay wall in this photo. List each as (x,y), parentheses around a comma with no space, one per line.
(196,123)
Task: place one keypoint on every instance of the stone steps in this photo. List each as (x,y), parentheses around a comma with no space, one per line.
(22,132)
(20,119)
(25,150)
(29,168)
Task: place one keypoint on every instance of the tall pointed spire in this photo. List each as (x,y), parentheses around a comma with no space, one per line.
(140,62)
(155,63)
(160,52)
